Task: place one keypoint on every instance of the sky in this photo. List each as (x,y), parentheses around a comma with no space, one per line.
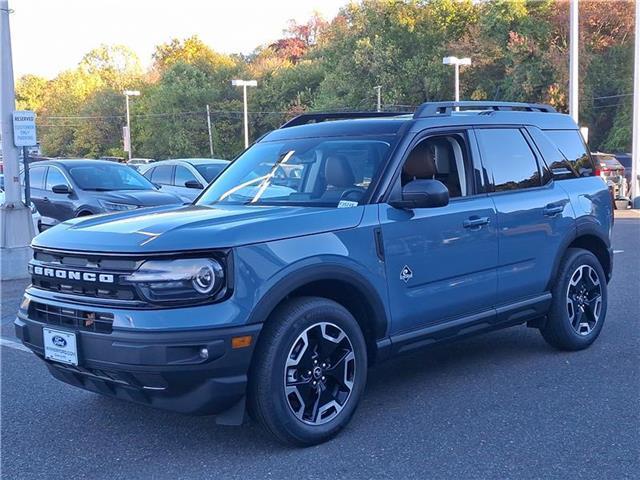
(49,36)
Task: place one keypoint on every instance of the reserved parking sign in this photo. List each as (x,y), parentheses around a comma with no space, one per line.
(24,128)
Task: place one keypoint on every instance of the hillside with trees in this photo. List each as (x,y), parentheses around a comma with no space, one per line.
(519,50)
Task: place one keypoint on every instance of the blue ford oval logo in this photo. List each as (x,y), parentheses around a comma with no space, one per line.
(58,341)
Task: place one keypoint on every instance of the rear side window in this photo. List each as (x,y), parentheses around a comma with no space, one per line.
(36,177)
(559,166)
(162,175)
(508,159)
(572,146)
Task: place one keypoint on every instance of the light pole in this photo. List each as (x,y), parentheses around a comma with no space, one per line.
(635,145)
(456,62)
(16,224)
(244,84)
(378,88)
(127,142)
(573,60)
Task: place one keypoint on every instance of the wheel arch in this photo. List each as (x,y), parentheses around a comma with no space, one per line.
(589,239)
(335,282)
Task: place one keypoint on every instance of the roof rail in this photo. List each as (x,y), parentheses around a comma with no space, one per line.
(430,109)
(317,117)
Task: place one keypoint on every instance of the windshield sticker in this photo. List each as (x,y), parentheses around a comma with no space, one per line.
(347,204)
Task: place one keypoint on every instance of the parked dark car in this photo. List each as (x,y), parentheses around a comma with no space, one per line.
(185,177)
(64,189)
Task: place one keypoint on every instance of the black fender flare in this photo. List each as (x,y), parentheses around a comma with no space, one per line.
(584,227)
(313,273)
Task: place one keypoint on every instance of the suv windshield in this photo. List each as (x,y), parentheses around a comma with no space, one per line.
(104,178)
(315,172)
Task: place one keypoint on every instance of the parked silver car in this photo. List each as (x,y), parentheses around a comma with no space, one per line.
(185,177)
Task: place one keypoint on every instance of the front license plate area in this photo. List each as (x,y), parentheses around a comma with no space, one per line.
(60,346)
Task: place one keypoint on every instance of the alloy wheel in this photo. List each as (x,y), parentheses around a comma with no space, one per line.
(319,373)
(584,299)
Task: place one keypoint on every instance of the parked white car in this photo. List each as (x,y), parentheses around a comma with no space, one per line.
(185,177)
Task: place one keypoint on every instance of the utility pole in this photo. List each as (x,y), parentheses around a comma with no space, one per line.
(127,143)
(16,224)
(635,148)
(209,128)
(378,88)
(574,40)
(244,84)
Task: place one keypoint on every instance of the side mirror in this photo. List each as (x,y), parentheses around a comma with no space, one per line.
(423,194)
(193,184)
(61,189)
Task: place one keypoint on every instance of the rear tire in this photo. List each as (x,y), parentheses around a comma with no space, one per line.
(309,371)
(579,304)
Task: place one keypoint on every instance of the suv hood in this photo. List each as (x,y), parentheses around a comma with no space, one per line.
(167,229)
(143,198)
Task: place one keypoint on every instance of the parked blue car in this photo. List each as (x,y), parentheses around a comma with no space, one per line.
(274,296)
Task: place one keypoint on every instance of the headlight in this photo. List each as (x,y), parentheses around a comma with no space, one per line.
(117,207)
(193,279)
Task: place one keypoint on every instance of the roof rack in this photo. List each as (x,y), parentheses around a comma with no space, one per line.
(430,109)
(318,117)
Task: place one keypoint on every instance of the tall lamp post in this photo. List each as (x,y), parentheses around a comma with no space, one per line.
(244,84)
(456,62)
(127,142)
(635,146)
(16,224)
(573,60)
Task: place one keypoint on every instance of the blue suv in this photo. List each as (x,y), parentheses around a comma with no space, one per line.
(332,243)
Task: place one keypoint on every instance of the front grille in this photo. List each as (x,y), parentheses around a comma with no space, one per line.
(85,262)
(71,317)
(87,290)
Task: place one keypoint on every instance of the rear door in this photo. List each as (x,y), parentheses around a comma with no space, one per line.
(441,262)
(534,215)
(37,175)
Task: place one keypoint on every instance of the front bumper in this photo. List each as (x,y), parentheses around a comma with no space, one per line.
(164,369)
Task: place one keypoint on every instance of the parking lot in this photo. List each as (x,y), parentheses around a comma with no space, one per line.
(503,405)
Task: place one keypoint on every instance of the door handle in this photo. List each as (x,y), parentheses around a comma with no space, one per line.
(552,210)
(475,222)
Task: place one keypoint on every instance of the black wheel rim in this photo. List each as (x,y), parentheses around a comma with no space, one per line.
(319,373)
(584,299)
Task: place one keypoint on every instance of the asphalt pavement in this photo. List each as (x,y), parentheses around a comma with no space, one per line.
(499,406)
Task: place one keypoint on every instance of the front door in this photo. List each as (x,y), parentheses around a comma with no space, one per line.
(441,262)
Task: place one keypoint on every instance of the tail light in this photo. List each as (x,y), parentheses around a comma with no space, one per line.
(601,168)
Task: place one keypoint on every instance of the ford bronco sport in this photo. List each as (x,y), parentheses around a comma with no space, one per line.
(332,243)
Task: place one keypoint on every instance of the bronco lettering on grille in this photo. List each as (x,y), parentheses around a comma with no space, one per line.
(71,274)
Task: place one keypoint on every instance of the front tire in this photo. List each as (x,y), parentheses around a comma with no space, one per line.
(309,371)
(579,304)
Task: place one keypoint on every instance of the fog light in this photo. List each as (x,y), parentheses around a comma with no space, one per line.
(204,353)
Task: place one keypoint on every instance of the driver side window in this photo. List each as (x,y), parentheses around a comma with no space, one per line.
(55,177)
(442,158)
